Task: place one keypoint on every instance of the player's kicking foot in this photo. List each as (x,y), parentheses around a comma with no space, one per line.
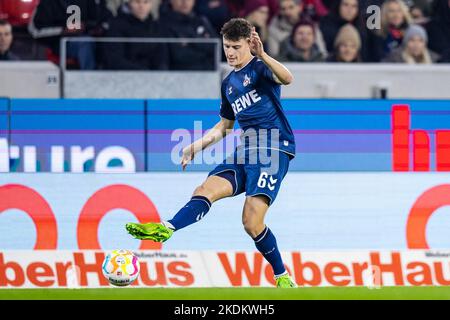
(285,281)
(149,231)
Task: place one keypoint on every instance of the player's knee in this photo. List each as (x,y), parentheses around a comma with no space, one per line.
(249,228)
(252,225)
(253,218)
(203,191)
(200,191)
(253,228)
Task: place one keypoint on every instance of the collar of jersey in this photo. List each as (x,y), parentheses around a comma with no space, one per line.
(237,70)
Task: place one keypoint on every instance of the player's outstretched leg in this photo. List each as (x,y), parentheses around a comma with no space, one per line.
(213,189)
(255,209)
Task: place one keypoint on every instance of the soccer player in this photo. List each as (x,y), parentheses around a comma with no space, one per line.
(250,95)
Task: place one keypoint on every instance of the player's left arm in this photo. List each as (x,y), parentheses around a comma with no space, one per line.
(217,133)
(281,74)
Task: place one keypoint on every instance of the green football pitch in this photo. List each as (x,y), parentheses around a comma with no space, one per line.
(388,293)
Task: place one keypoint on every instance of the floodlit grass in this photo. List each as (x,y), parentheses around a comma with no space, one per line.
(358,293)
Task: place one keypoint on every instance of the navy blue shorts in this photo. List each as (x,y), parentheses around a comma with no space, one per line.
(254,175)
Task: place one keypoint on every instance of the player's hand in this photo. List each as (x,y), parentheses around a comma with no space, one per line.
(256,45)
(188,156)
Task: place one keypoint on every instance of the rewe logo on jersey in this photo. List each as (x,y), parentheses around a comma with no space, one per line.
(245,101)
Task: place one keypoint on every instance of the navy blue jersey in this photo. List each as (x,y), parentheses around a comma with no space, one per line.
(252,97)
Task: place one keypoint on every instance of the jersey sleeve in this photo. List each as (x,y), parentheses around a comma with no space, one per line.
(265,72)
(226,111)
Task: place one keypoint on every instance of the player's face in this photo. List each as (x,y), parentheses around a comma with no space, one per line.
(236,52)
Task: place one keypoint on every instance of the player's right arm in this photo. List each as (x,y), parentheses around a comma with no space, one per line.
(217,133)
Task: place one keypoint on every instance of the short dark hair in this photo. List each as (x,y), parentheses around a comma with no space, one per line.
(236,29)
(4,22)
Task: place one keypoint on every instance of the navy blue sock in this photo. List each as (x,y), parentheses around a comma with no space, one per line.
(192,212)
(267,245)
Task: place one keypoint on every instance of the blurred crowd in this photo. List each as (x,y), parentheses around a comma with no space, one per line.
(407,31)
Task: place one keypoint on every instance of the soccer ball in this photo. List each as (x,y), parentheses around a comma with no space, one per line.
(121,267)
